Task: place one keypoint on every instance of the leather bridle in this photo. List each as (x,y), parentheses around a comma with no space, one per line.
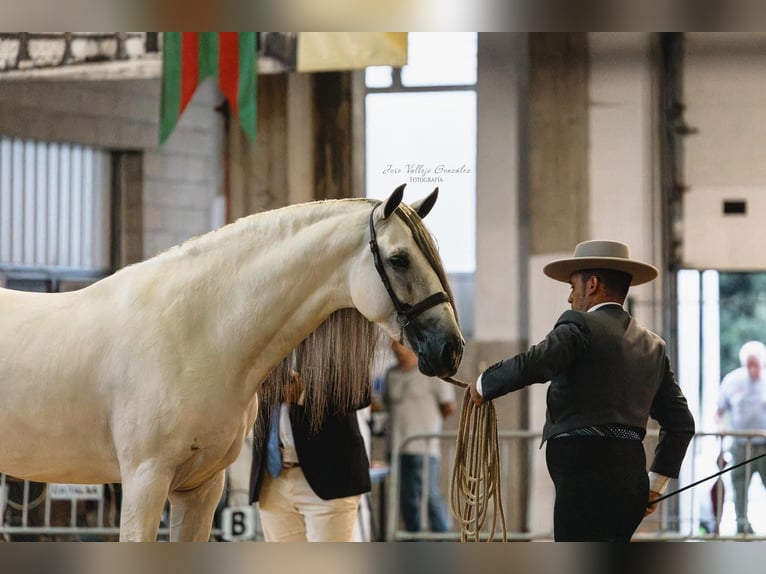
(405,312)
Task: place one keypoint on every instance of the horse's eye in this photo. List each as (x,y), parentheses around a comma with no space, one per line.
(399,262)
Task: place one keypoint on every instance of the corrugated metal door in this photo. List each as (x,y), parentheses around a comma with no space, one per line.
(55,205)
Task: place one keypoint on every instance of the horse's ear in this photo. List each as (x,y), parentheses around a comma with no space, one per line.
(424,206)
(393,201)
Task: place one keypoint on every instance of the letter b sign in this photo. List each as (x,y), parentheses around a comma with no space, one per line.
(238,523)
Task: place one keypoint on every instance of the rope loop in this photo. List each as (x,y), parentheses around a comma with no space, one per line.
(475,487)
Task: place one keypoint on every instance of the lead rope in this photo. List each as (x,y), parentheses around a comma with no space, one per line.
(475,487)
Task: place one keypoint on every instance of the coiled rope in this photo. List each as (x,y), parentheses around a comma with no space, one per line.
(475,487)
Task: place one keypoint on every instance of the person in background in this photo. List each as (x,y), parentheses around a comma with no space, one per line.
(417,404)
(608,375)
(742,406)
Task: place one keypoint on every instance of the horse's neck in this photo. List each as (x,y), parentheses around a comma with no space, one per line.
(259,286)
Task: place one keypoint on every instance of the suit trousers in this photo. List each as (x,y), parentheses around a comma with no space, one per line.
(602,487)
(292,512)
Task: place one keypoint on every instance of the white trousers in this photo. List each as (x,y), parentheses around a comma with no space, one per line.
(291,511)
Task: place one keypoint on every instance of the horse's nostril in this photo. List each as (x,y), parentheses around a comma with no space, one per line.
(448,354)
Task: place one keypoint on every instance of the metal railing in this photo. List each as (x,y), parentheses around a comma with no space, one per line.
(35,511)
(679,518)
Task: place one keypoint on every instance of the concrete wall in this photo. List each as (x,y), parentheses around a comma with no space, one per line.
(178,182)
(177,190)
(724,159)
(623,143)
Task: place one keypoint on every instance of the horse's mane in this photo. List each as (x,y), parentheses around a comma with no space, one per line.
(335,365)
(427,245)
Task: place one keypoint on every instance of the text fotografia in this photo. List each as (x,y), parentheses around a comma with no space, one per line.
(422,173)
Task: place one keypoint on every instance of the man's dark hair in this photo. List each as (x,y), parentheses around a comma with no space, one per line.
(616,283)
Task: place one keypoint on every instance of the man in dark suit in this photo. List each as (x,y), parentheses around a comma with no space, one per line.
(608,375)
(313,490)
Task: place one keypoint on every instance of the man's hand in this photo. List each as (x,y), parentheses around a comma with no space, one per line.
(652,507)
(475,396)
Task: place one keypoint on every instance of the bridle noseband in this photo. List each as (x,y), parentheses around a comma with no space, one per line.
(405,313)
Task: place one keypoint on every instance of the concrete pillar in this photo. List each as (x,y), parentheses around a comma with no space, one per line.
(622,162)
(500,293)
(558,209)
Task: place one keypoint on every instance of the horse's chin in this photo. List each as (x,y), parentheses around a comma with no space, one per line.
(430,370)
(440,359)
(425,367)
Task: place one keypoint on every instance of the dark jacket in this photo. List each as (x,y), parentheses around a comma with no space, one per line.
(604,367)
(333,460)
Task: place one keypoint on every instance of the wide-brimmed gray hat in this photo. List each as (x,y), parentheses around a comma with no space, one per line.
(601,255)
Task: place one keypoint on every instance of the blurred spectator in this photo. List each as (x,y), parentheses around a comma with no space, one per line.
(417,404)
(742,406)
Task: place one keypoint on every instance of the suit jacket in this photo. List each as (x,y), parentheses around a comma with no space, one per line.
(604,367)
(334,459)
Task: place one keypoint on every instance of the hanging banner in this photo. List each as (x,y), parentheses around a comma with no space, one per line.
(190,57)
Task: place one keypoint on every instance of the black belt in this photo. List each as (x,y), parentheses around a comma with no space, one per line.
(609,430)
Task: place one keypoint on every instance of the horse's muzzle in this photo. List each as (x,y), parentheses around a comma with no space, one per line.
(440,358)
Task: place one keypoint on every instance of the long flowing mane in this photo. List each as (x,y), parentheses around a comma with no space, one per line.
(335,365)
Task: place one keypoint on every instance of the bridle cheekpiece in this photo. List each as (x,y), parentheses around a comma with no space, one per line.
(405,312)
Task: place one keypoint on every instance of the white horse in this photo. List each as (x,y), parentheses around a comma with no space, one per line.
(149,377)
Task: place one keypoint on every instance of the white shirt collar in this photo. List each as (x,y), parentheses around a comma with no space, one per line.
(604,304)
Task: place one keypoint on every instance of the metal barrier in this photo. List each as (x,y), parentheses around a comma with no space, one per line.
(697,513)
(38,511)
(34,511)
(447,442)
(679,518)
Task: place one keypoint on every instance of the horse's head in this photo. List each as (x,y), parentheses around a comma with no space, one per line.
(400,284)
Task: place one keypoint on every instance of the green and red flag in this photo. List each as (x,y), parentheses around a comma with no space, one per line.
(190,57)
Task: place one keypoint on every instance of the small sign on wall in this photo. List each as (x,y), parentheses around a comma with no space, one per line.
(75,491)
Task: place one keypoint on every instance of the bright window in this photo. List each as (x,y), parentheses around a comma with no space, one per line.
(428,140)
(421,130)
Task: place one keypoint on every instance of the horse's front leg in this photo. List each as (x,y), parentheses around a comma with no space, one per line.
(191,511)
(144,494)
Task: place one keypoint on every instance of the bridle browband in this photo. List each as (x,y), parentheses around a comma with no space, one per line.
(405,312)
